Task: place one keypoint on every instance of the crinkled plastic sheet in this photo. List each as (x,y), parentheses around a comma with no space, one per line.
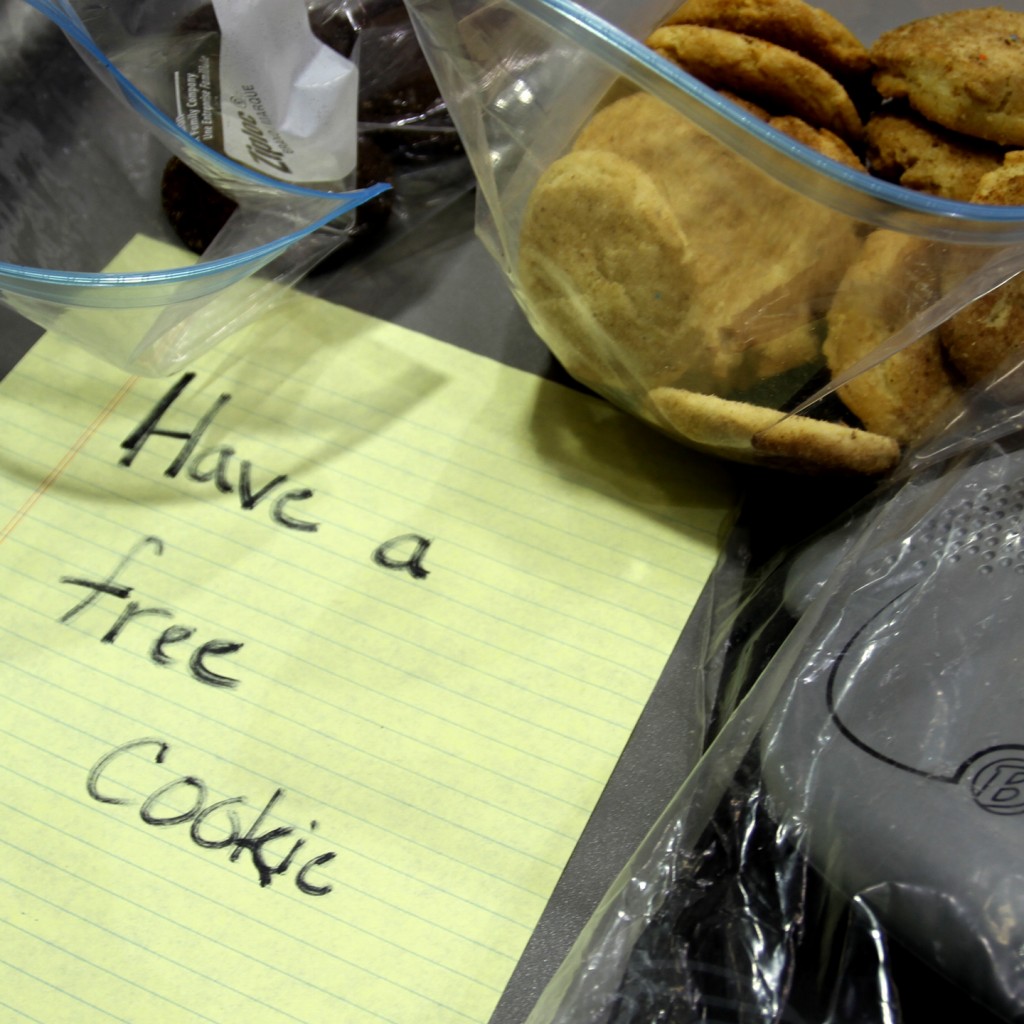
(848,847)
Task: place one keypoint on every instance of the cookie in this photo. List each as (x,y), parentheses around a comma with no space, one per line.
(753,433)
(761,280)
(1003,185)
(368,224)
(748,105)
(400,104)
(778,79)
(608,273)
(894,278)
(982,338)
(821,140)
(197,211)
(793,24)
(917,154)
(964,70)
(334,28)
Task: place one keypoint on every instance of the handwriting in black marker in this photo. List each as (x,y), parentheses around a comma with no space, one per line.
(130,611)
(412,563)
(214,465)
(255,841)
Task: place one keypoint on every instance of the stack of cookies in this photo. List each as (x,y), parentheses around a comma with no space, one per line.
(674,277)
(953,126)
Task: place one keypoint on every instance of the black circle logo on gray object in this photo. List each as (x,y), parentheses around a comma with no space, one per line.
(997,783)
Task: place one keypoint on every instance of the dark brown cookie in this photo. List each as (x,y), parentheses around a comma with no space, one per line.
(400,104)
(197,211)
(403,119)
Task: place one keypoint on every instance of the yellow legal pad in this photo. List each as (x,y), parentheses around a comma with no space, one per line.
(315,663)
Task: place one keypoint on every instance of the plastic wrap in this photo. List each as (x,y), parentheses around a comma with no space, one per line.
(694,263)
(847,848)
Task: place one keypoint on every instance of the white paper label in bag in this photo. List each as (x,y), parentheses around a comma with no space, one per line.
(288,102)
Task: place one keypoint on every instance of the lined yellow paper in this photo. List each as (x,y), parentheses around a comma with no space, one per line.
(321,758)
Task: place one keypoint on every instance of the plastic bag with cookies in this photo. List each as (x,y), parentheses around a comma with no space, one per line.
(762,226)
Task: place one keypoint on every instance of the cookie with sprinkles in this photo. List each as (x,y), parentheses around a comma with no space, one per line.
(964,70)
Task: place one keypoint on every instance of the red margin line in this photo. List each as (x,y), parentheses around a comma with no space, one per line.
(55,474)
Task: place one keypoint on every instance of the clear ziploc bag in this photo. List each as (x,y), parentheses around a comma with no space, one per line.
(89,129)
(247,78)
(689,258)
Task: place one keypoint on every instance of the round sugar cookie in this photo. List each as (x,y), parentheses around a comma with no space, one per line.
(964,70)
(793,24)
(894,278)
(983,337)
(748,105)
(821,140)
(766,260)
(754,433)
(606,273)
(1003,185)
(917,154)
(779,79)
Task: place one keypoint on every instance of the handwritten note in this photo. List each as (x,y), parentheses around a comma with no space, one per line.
(316,659)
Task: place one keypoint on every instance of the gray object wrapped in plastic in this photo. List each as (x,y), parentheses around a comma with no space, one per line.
(898,746)
(849,846)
